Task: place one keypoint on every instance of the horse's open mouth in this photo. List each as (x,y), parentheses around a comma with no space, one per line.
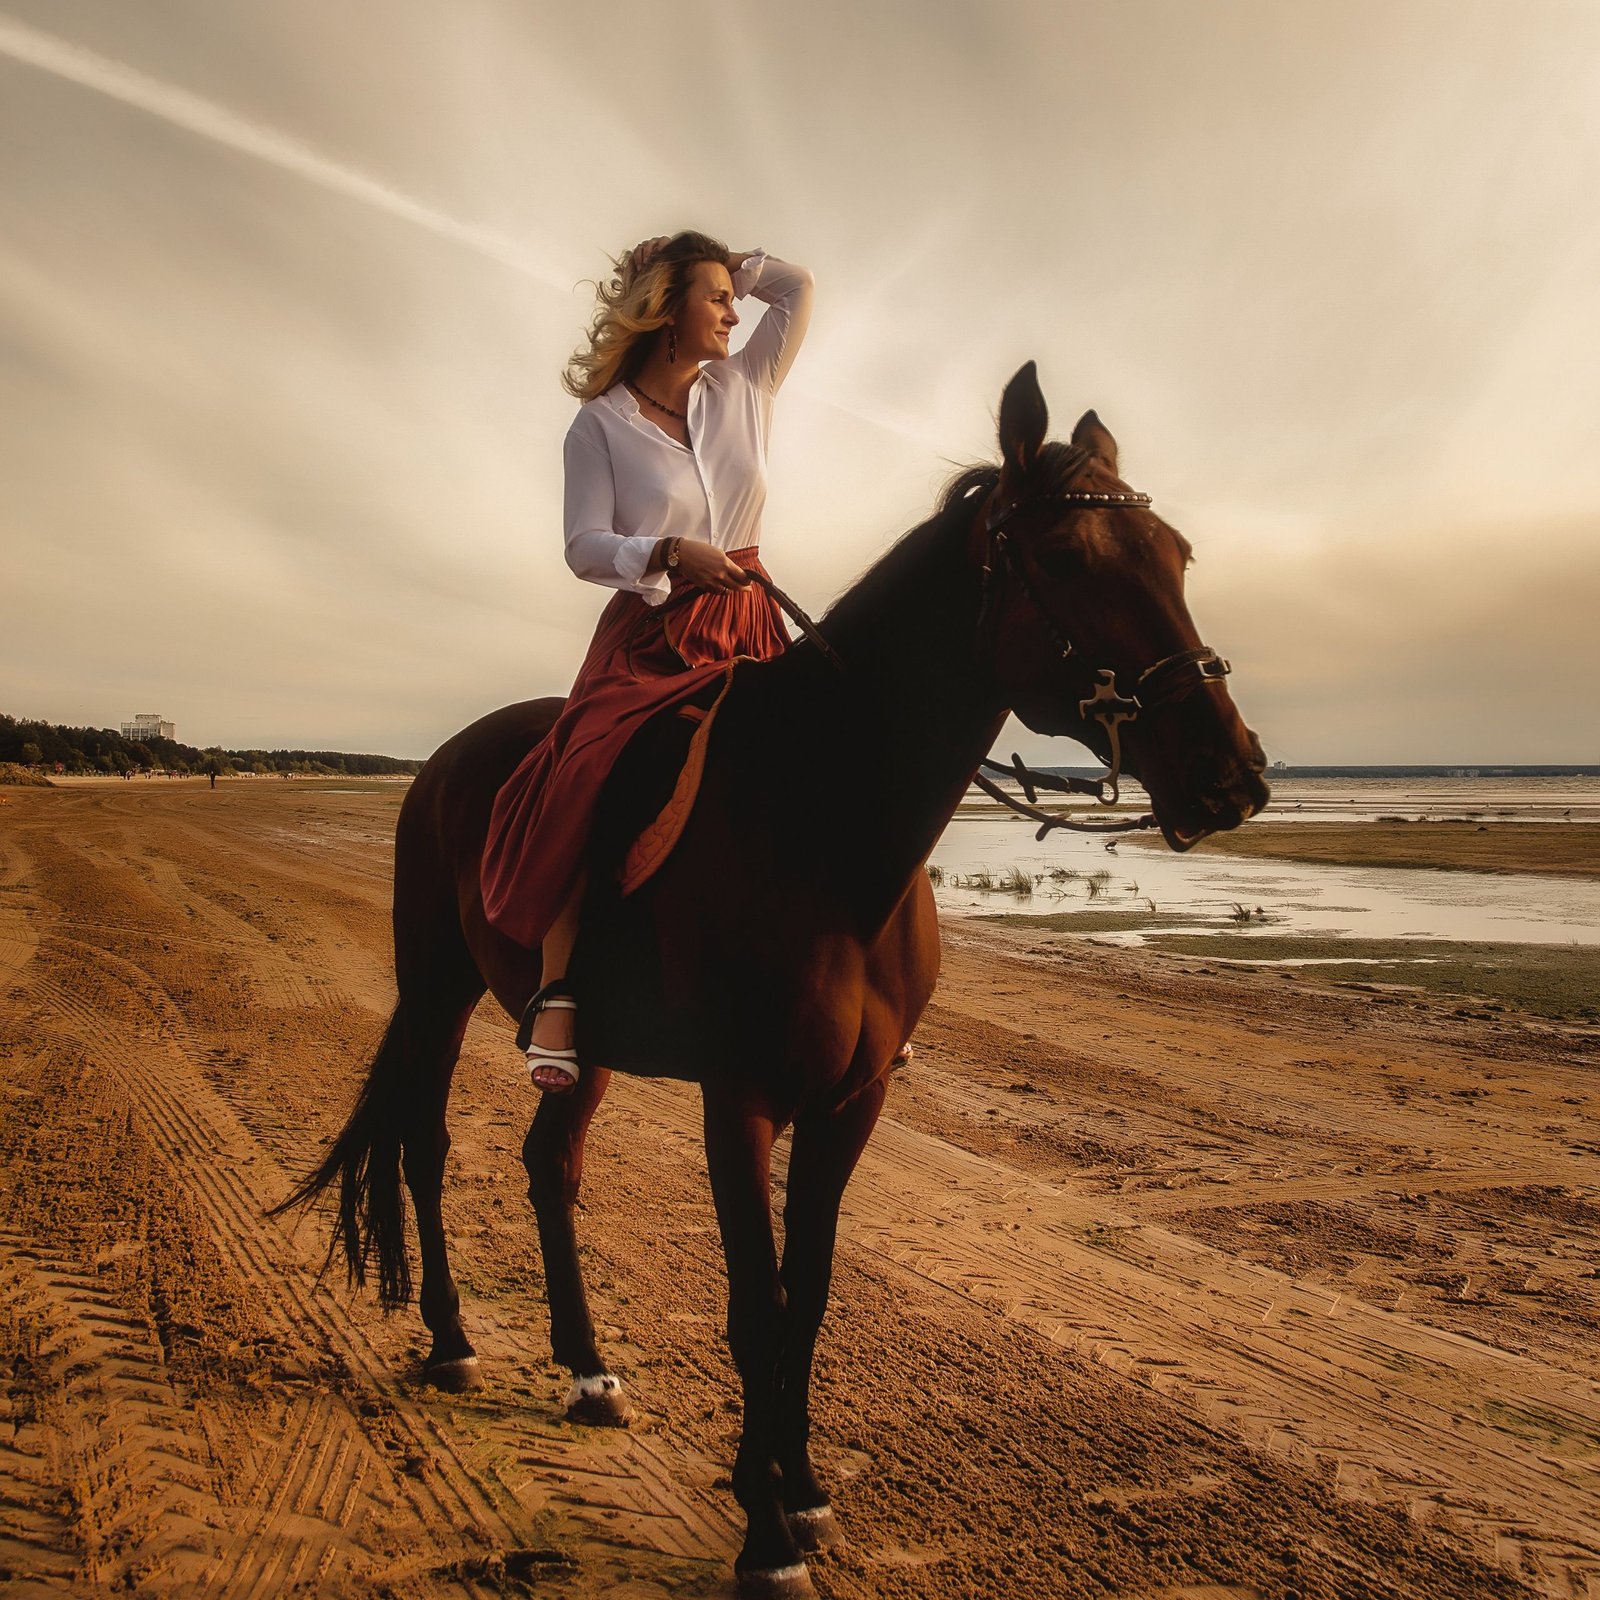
(1183,838)
(1185,830)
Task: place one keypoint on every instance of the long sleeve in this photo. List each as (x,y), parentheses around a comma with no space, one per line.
(788,291)
(595,550)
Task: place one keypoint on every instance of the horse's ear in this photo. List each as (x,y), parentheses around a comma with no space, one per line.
(1093,435)
(1023,420)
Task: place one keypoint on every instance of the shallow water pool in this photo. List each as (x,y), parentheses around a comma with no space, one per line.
(1279,896)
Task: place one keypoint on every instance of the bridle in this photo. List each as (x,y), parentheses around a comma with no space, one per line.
(1164,682)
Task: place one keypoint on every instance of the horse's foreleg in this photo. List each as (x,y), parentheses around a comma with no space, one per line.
(739,1154)
(553,1156)
(433,1033)
(824,1154)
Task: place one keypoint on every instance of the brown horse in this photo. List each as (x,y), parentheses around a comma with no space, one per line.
(789,943)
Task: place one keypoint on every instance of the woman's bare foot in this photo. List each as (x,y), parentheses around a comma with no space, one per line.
(553,1029)
(555,1022)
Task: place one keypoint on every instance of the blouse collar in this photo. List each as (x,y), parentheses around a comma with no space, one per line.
(620,397)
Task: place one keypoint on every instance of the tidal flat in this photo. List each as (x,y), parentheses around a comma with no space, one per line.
(1556,981)
(1560,982)
(1560,849)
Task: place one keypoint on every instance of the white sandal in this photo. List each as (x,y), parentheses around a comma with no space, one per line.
(554,996)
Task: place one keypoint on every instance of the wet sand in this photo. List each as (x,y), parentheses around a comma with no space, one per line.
(1159,1278)
(1562,848)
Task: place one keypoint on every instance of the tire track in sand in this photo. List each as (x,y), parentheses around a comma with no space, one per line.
(317,1494)
(93,1386)
(1312,1375)
(19,936)
(298,1509)
(1318,1378)
(628,1487)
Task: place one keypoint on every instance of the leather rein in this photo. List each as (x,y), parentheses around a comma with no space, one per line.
(1165,681)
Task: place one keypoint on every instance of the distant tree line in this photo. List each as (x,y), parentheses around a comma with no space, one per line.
(87,750)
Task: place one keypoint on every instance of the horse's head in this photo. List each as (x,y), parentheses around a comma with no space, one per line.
(1085,627)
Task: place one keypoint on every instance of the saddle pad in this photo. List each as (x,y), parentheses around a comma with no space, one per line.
(650,850)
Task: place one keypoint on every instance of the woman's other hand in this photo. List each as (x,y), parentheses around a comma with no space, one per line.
(705,565)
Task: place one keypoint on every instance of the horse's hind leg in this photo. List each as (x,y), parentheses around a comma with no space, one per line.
(553,1155)
(433,1039)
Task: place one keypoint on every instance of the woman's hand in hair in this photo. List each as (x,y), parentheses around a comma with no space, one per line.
(642,255)
(705,566)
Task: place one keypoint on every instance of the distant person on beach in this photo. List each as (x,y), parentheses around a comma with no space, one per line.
(665,485)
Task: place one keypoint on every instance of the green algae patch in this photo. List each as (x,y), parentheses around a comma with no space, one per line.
(1561,981)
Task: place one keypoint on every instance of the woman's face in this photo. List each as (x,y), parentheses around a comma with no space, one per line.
(707,316)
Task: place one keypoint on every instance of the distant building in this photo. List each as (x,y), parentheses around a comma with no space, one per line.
(148,725)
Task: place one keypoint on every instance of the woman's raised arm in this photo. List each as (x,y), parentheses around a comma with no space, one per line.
(788,291)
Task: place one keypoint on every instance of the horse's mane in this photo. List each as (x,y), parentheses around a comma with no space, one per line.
(1053,472)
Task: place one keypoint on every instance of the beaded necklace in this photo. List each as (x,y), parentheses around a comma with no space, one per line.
(634,389)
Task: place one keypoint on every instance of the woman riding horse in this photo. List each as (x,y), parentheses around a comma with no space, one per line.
(1042,585)
(665,484)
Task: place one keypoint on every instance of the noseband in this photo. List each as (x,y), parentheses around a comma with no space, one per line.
(1164,682)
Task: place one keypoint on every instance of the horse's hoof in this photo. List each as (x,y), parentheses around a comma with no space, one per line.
(776,1583)
(598,1402)
(815,1529)
(455,1377)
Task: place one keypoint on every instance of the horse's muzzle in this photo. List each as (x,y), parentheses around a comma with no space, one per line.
(1215,812)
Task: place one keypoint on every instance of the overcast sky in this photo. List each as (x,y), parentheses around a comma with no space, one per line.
(286,287)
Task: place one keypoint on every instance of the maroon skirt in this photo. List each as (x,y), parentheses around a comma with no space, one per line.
(642,659)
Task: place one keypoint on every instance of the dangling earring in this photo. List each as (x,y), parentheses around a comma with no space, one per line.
(672,343)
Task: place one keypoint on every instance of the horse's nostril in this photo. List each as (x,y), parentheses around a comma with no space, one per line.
(1251,798)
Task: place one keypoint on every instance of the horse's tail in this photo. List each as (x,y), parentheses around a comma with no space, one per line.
(365,1162)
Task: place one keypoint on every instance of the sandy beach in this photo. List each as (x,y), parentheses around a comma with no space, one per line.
(1160,1278)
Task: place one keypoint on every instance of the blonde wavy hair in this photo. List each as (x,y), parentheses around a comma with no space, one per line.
(633,306)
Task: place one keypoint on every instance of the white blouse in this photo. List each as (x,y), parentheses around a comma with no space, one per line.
(628,484)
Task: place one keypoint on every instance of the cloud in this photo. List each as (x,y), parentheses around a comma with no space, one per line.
(32,47)
(285,290)
(1428,645)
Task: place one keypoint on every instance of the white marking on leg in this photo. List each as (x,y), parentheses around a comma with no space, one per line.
(591,1387)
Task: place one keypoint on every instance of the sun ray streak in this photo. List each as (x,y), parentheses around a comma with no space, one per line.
(46,53)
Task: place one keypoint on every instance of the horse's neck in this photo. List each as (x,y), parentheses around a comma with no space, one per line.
(893,739)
